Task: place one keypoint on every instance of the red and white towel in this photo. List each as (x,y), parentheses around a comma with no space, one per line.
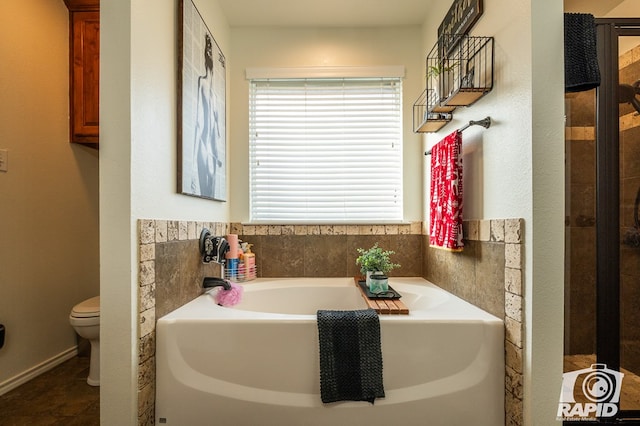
(445,227)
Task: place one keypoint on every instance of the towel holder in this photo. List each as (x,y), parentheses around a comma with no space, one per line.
(485,122)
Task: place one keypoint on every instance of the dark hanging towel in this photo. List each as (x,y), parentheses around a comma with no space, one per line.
(581,70)
(350,356)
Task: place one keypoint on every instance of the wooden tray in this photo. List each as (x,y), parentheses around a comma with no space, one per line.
(383,306)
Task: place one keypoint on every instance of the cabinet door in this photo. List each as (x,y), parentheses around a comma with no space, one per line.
(85,77)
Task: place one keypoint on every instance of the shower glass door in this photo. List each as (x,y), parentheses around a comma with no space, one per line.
(629,192)
(602,279)
(580,233)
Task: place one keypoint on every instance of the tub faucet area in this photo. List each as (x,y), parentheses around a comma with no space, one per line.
(211,282)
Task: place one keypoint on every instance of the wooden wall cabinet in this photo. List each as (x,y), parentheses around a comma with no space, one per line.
(84,70)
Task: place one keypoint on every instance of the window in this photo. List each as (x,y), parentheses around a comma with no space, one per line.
(326,150)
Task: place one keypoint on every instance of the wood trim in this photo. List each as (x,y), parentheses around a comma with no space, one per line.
(82,5)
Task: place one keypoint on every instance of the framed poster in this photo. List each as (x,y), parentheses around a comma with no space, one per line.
(201,108)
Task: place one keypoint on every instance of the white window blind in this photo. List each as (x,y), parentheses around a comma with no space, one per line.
(326,150)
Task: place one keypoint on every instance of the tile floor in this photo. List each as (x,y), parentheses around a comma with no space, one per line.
(59,397)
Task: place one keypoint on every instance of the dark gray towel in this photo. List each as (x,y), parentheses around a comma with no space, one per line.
(350,356)
(581,70)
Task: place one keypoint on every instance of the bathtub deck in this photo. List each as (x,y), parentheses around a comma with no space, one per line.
(383,306)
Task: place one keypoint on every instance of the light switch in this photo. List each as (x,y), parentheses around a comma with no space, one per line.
(4,160)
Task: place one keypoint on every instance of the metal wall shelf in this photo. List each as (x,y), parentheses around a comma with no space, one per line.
(459,76)
(428,119)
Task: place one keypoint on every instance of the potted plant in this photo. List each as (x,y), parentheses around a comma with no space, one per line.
(439,68)
(434,72)
(375,261)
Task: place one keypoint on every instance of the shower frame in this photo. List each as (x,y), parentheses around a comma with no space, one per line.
(608,201)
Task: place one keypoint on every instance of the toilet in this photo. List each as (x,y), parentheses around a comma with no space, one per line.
(85,319)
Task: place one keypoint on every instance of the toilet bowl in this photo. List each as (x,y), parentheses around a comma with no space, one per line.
(85,319)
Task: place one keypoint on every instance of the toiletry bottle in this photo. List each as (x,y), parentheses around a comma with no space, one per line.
(249,263)
(232,256)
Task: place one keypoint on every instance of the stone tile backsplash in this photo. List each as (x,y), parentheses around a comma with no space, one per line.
(330,255)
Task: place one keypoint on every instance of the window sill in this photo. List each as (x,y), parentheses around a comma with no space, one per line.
(388,228)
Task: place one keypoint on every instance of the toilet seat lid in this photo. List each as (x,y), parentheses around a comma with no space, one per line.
(88,308)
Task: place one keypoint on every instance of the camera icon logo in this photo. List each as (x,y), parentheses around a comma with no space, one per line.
(593,391)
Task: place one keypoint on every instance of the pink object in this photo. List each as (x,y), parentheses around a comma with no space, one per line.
(229,297)
(445,227)
(232,239)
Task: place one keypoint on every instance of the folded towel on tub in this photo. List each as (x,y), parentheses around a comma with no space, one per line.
(445,224)
(350,356)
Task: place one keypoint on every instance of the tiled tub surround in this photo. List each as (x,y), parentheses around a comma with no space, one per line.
(171,272)
(487,273)
(170,275)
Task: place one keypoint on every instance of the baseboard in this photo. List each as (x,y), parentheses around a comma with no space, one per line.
(37,370)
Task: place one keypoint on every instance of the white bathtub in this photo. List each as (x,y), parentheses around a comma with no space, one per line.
(257,363)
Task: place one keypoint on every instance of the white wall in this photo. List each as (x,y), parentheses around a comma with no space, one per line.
(504,149)
(309,47)
(138,156)
(544,248)
(154,103)
(515,169)
(49,196)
